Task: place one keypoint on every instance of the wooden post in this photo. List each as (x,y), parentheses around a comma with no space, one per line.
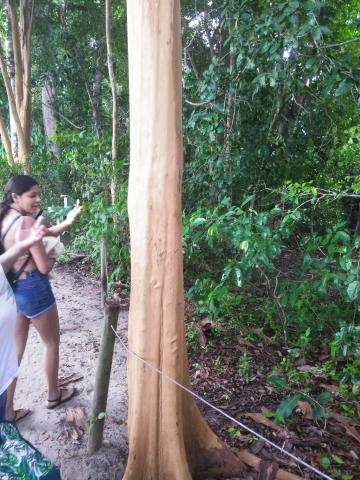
(103,270)
(103,375)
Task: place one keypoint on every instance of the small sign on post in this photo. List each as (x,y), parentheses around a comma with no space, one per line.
(65,197)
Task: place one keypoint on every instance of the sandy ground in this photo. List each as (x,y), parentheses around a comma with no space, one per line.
(78,299)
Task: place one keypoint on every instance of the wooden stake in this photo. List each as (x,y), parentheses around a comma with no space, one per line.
(104,270)
(103,376)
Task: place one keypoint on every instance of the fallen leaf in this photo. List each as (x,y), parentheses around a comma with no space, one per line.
(77,421)
(201,336)
(351,431)
(207,324)
(267,470)
(201,373)
(344,420)
(306,368)
(203,326)
(257,446)
(354,455)
(330,388)
(254,461)
(305,408)
(259,418)
(271,457)
(308,441)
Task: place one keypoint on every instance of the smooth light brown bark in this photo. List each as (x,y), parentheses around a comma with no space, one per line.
(168,437)
(18,88)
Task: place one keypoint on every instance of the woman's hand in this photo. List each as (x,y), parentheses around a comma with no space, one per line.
(72,215)
(30,233)
(59,229)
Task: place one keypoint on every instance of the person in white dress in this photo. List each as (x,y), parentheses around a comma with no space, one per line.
(8,357)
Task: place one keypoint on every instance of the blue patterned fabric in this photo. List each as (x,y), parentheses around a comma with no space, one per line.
(19,460)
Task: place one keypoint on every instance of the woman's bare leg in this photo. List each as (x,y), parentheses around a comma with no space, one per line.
(47,324)
(21,336)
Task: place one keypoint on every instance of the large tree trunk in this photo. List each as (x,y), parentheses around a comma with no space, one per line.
(18,89)
(11,72)
(168,437)
(48,95)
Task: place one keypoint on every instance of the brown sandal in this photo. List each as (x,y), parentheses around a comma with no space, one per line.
(72,377)
(20,414)
(63,397)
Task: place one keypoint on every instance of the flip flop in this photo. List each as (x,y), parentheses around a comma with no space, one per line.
(65,395)
(20,414)
(72,377)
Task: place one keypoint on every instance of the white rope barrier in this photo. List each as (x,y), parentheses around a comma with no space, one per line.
(224,414)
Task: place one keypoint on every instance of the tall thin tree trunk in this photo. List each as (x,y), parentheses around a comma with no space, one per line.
(231,104)
(95,104)
(114,99)
(168,437)
(48,96)
(18,91)
(11,72)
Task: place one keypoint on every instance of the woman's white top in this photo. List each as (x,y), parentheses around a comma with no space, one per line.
(8,358)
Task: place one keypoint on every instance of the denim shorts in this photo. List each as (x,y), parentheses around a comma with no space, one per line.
(33,294)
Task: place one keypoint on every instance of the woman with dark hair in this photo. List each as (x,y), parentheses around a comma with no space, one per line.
(8,359)
(29,278)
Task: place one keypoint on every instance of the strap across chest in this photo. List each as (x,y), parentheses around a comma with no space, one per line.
(9,227)
(16,274)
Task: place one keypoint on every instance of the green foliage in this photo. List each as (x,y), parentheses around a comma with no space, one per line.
(234,432)
(92,419)
(347,341)
(233,243)
(278,382)
(275,98)
(243,368)
(288,404)
(96,221)
(234,254)
(6,170)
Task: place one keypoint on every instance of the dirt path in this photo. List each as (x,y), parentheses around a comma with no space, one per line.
(78,299)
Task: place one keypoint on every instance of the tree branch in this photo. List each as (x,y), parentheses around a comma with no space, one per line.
(112,80)
(6,140)
(17,52)
(11,99)
(352,40)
